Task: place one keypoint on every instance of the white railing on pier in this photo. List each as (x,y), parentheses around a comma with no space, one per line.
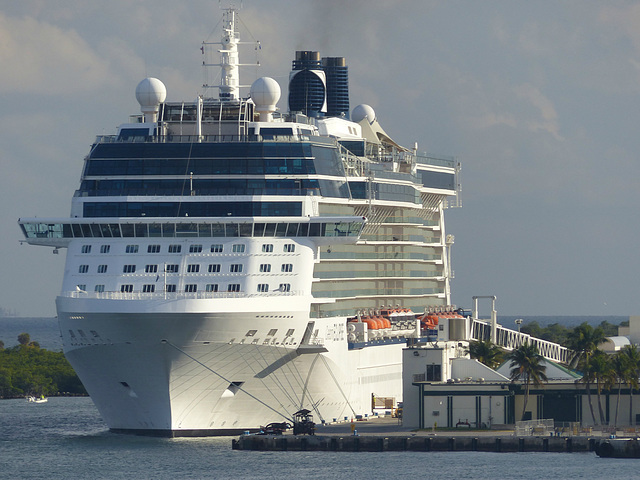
(511,339)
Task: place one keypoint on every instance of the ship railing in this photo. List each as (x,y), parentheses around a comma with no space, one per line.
(209,138)
(334,274)
(511,339)
(424,158)
(176,295)
(225,190)
(542,427)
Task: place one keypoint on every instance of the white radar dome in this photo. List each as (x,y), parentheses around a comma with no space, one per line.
(363,111)
(265,92)
(150,93)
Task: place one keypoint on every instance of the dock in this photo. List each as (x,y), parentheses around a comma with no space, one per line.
(439,443)
(387,435)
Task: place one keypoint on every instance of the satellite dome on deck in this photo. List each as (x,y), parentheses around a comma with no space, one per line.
(150,93)
(363,111)
(265,93)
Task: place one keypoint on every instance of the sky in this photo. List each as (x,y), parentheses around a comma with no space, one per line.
(539,101)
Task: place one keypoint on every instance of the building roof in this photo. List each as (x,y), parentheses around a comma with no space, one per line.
(554,371)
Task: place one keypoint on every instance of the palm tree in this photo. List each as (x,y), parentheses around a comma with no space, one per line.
(631,355)
(600,370)
(583,341)
(619,364)
(526,362)
(485,352)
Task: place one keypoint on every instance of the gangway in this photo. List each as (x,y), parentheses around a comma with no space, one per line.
(510,339)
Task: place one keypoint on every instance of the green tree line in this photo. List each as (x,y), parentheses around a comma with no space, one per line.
(557,333)
(27,369)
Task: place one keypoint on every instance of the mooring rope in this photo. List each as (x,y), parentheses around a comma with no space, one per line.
(217,374)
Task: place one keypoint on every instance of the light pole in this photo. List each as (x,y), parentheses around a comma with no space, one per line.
(518,322)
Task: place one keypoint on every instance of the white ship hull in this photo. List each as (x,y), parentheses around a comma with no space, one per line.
(170,373)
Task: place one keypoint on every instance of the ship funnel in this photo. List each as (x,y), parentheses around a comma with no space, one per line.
(319,87)
(337,74)
(308,85)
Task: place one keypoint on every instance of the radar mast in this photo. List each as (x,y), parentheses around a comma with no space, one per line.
(229,86)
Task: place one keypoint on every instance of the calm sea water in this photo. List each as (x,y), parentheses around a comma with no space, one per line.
(43,330)
(65,438)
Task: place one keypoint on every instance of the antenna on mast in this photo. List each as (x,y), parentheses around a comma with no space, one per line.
(229,86)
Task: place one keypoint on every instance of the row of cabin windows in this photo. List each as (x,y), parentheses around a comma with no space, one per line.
(190,288)
(195,248)
(191,268)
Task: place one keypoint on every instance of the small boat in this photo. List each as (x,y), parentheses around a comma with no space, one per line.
(41,399)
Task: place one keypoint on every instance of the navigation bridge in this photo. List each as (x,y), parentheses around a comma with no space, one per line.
(510,339)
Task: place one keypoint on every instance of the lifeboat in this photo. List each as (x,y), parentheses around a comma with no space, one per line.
(429,321)
(372,326)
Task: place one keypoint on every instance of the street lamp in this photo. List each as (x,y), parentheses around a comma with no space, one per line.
(518,322)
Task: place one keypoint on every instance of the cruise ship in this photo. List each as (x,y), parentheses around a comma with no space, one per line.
(228,264)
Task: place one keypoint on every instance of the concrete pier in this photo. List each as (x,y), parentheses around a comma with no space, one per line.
(436,443)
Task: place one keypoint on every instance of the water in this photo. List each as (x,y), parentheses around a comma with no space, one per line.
(65,438)
(43,330)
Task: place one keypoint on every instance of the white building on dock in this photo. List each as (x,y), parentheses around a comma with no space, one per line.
(444,387)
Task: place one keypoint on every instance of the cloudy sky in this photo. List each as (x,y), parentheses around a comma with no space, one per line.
(540,101)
